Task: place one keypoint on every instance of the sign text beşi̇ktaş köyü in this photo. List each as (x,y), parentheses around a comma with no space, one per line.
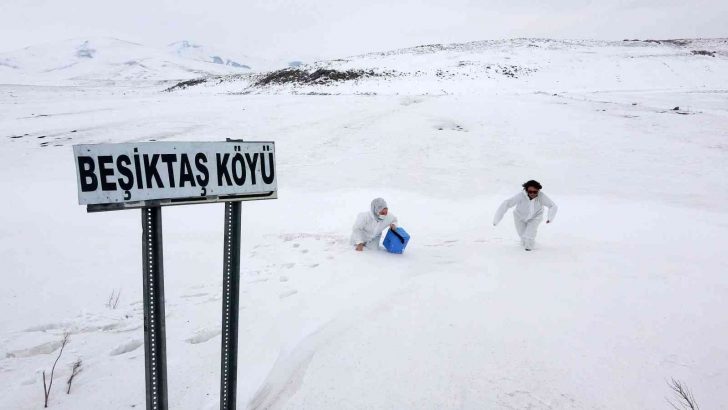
(117,173)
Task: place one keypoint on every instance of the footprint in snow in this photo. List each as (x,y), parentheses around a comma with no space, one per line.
(449,126)
(29,381)
(48,326)
(127,347)
(194,295)
(442,244)
(129,328)
(45,348)
(202,336)
(288,293)
(100,327)
(523,399)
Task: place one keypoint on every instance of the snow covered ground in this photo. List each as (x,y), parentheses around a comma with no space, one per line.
(626,289)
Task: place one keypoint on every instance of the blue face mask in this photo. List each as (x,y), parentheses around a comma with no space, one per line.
(381,217)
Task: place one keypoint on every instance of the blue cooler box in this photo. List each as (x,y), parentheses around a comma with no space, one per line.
(396,241)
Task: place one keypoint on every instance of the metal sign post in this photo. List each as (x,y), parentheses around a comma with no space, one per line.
(230,303)
(148,176)
(155,349)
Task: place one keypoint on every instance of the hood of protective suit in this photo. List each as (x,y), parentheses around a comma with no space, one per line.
(377,205)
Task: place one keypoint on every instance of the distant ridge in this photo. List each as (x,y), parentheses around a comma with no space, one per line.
(109,61)
(522,64)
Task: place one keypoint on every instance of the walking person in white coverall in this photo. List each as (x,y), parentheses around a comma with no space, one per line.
(367,231)
(528,213)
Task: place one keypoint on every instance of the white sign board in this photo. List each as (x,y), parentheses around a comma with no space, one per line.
(125,174)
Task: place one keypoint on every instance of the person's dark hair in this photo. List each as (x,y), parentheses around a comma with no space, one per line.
(532,184)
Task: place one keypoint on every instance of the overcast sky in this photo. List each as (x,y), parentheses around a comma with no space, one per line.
(297,29)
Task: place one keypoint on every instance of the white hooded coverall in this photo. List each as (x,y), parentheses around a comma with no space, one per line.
(527,215)
(368,226)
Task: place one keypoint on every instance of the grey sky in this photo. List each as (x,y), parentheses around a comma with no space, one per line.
(329,28)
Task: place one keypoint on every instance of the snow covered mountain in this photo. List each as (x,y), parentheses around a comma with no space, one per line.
(507,65)
(110,61)
(192,51)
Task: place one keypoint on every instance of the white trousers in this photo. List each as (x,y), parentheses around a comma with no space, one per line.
(374,242)
(527,231)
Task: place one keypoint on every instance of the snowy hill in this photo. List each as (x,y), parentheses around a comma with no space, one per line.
(625,290)
(108,61)
(508,65)
(192,51)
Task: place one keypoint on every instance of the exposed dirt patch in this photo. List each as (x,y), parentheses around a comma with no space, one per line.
(703,53)
(317,77)
(674,42)
(188,83)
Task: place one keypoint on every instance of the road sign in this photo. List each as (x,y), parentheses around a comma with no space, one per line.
(136,175)
(150,175)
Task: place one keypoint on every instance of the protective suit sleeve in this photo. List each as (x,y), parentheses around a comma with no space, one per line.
(394,220)
(358,235)
(505,206)
(553,208)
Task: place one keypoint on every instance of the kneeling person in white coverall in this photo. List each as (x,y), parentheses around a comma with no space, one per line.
(528,213)
(369,225)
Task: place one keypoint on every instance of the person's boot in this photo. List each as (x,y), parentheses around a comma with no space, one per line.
(528,244)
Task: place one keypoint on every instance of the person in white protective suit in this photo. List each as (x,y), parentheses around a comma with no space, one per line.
(528,213)
(367,231)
